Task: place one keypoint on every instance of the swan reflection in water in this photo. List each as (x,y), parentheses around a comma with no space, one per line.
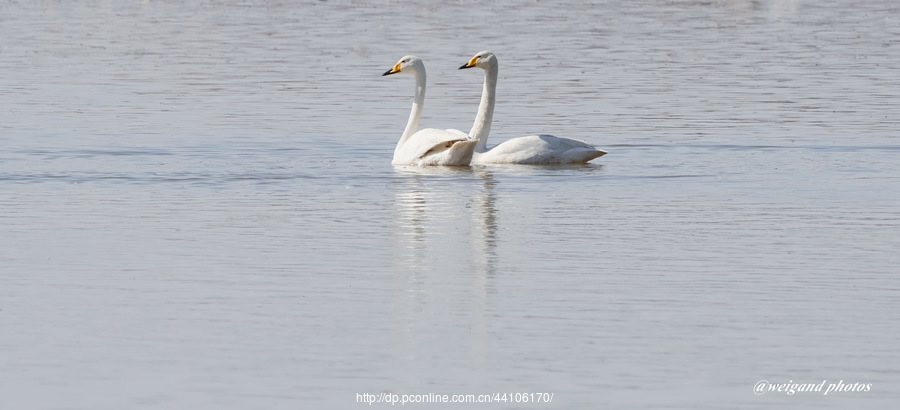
(446,261)
(447,247)
(446,218)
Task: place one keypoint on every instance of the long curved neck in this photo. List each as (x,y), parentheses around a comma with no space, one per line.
(413,124)
(482,126)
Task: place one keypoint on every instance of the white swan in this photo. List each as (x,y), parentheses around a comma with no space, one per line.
(429,146)
(532,149)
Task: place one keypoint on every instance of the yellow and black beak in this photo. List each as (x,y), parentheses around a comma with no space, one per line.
(470,64)
(394,70)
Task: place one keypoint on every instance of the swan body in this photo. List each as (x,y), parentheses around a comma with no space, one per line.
(538,149)
(429,146)
(532,149)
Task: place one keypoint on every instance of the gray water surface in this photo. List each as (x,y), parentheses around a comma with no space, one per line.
(199,211)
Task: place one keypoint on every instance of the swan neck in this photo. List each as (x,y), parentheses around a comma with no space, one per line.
(482,126)
(412,125)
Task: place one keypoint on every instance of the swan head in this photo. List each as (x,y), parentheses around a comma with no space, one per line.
(407,64)
(481,60)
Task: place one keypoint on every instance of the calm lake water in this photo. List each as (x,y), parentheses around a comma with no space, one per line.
(198,211)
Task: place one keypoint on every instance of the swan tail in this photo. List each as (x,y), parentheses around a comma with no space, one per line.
(585,155)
